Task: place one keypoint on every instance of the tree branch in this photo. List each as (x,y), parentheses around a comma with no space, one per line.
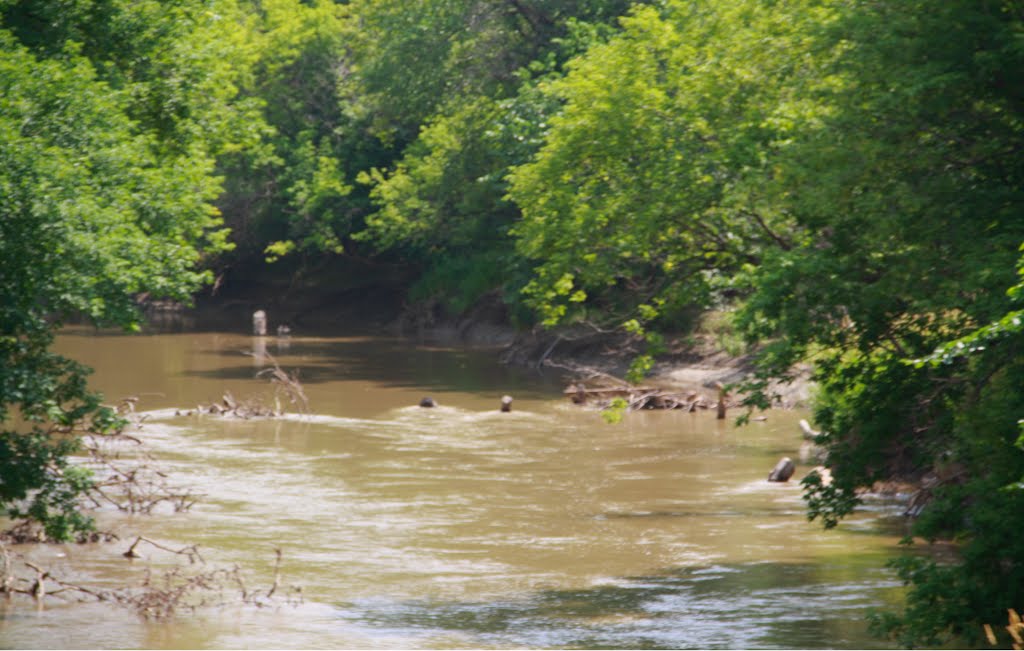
(785,244)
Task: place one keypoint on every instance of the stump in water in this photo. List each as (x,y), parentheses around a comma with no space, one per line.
(578,394)
(506,403)
(783,470)
(259,323)
(427,402)
(722,395)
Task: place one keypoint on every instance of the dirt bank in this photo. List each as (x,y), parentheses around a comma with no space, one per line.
(692,362)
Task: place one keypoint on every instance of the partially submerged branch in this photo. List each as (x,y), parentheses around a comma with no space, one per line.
(117,471)
(287,387)
(129,478)
(156,597)
(190,551)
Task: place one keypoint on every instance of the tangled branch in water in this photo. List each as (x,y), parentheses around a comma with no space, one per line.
(191,551)
(119,472)
(287,387)
(156,597)
(129,478)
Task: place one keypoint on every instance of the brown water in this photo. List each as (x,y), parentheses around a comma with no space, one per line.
(461,526)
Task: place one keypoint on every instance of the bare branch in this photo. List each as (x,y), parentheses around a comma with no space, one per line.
(191,551)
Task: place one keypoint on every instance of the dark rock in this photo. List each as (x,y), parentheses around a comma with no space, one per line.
(783,470)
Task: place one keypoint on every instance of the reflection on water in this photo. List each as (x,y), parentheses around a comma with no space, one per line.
(461,526)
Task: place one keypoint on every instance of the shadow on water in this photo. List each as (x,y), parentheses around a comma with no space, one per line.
(760,605)
(393,363)
(385,362)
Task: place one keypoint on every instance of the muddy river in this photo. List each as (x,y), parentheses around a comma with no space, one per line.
(458,526)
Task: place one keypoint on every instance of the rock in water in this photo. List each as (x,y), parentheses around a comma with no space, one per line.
(428,402)
(506,403)
(783,470)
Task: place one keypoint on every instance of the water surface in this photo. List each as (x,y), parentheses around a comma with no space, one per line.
(460,526)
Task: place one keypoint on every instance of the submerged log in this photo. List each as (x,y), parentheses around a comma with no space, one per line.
(783,470)
(245,410)
(578,394)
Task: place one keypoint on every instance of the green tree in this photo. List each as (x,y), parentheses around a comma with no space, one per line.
(443,204)
(909,204)
(654,187)
(392,126)
(292,191)
(410,60)
(103,196)
(464,110)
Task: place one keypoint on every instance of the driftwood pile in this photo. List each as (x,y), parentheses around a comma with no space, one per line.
(641,397)
(229,407)
(286,387)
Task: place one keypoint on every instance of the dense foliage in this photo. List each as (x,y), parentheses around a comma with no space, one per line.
(393,127)
(846,177)
(910,204)
(109,139)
